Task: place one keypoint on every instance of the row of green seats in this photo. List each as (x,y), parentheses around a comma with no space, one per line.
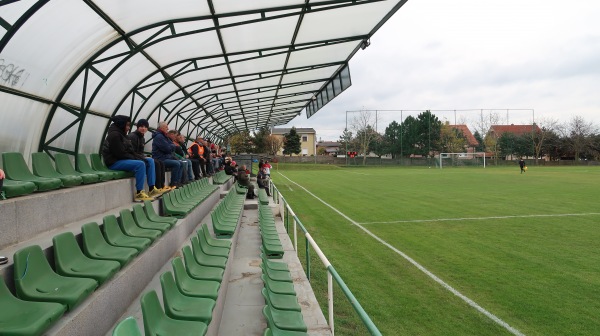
(226,215)
(180,202)
(43,294)
(282,310)
(189,292)
(46,176)
(220,177)
(271,243)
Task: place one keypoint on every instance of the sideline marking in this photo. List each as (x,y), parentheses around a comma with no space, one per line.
(417,265)
(481,218)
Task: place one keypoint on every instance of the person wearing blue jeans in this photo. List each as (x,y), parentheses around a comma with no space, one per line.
(118,154)
(162,149)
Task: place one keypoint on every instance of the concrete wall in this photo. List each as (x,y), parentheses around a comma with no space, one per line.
(22,218)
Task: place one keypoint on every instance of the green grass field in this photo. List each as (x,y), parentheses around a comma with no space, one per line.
(526,248)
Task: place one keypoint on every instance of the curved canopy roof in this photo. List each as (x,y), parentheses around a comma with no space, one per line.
(208,67)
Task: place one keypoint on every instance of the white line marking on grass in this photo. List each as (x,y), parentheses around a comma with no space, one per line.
(421,268)
(481,218)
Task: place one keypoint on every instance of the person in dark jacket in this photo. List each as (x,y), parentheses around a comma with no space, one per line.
(262,179)
(118,154)
(138,141)
(244,180)
(195,153)
(162,149)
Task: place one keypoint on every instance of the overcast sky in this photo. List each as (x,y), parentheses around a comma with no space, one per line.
(542,56)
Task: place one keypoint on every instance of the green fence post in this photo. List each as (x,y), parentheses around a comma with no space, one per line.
(307,258)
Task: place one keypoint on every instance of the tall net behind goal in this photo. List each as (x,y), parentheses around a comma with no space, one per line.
(447,160)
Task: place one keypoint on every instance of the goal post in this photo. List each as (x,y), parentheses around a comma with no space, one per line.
(461,160)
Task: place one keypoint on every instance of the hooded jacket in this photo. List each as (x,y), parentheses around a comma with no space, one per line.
(117,146)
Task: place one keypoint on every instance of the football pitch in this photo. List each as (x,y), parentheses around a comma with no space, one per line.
(459,251)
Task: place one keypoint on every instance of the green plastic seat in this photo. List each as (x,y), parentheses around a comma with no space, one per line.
(282,301)
(157,323)
(95,247)
(98,164)
(283,319)
(193,287)
(16,169)
(17,188)
(42,166)
(274,331)
(212,250)
(127,327)
(83,166)
(274,265)
(279,287)
(142,221)
(36,281)
(262,196)
(64,166)
(131,229)
(276,275)
(221,229)
(26,317)
(198,271)
(153,216)
(203,258)
(212,241)
(70,261)
(181,307)
(170,209)
(114,236)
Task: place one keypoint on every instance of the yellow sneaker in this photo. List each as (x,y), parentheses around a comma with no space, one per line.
(142,196)
(155,192)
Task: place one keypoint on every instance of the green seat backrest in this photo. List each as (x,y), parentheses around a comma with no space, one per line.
(63,164)
(152,312)
(92,236)
(84,166)
(65,248)
(127,327)
(42,165)
(15,167)
(111,228)
(169,288)
(30,266)
(97,162)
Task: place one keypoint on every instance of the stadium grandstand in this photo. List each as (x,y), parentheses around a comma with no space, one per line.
(81,256)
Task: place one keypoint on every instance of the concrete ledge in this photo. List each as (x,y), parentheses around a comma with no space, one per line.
(27,216)
(102,310)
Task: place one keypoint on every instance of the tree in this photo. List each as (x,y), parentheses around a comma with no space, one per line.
(260,140)
(346,141)
(273,144)
(480,143)
(429,132)
(392,139)
(452,140)
(365,133)
(409,136)
(291,144)
(321,151)
(547,126)
(579,137)
(241,142)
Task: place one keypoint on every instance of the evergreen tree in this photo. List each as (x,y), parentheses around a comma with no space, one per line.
(292,143)
(260,140)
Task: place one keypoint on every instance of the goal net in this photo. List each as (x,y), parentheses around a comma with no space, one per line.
(447,160)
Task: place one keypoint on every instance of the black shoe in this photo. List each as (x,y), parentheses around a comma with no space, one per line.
(3,260)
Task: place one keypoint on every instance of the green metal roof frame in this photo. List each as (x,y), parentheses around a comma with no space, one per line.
(192,107)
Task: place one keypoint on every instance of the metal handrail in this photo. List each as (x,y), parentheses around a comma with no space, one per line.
(332,274)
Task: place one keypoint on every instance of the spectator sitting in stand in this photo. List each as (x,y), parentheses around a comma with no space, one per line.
(138,141)
(118,154)
(244,180)
(263,180)
(195,152)
(162,149)
(186,165)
